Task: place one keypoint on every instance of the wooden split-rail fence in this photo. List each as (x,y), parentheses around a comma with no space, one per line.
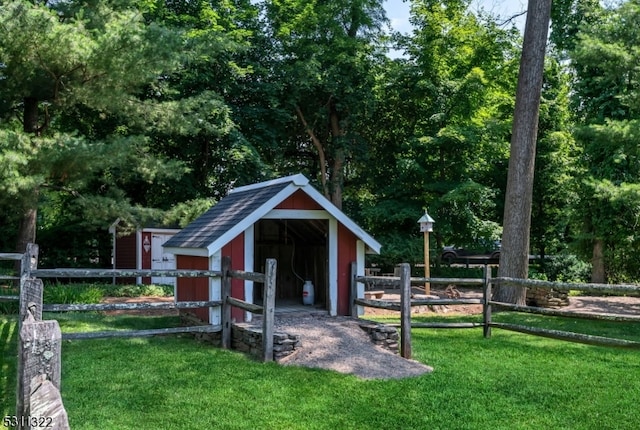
(39,359)
(404,282)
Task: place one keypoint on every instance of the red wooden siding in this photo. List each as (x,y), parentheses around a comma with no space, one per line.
(235,250)
(193,289)
(125,257)
(347,252)
(299,200)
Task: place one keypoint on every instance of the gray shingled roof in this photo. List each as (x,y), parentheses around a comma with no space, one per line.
(228,212)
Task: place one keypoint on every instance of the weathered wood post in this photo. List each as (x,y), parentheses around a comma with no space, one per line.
(405,310)
(30,292)
(40,355)
(226,306)
(30,295)
(269,309)
(353,290)
(486,298)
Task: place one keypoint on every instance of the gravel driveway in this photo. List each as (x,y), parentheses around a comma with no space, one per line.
(340,344)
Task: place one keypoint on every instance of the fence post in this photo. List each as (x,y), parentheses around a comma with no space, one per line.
(486,298)
(39,355)
(268,310)
(226,307)
(405,310)
(29,292)
(353,290)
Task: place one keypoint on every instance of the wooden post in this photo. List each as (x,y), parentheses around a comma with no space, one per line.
(45,405)
(353,290)
(30,308)
(40,347)
(427,266)
(405,310)
(486,298)
(226,307)
(29,291)
(268,313)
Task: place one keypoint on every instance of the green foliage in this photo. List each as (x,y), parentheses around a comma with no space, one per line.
(562,267)
(183,213)
(72,294)
(137,290)
(398,248)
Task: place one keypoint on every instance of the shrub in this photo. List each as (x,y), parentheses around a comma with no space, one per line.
(567,268)
(138,290)
(65,294)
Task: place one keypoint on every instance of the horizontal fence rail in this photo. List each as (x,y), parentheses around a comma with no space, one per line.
(141,333)
(405,304)
(569,314)
(129,306)
(617,289)
(122,273)
(10,256)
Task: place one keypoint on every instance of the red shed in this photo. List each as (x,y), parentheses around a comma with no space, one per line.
(142,249)
(286,219)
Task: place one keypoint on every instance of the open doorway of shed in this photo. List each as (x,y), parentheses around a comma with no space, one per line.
(300,248)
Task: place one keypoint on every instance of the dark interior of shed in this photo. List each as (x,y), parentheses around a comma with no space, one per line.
(300,248)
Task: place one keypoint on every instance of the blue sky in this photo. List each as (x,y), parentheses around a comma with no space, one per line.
(398,11)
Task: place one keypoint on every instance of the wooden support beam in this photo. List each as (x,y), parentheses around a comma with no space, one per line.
(405,310)
(486,298)
(353,290)
(226,307)
(268,315)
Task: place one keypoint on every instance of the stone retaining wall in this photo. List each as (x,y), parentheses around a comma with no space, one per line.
(382,335)
(547,298)
(248,338)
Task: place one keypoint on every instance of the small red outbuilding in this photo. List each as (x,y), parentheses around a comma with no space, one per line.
(286,219)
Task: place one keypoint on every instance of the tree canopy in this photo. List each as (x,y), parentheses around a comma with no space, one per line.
(150,111)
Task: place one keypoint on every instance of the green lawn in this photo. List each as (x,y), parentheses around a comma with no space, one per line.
(510,381)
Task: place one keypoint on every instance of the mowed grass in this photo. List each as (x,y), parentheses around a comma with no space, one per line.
(511,381)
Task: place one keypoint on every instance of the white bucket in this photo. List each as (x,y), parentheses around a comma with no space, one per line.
(308,295)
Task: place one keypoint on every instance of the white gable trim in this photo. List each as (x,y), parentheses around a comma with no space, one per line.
(298,180)
(333,267)
(215,289)
(194,252)
(249,251)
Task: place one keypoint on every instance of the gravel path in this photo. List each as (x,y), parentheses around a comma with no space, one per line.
(340,344)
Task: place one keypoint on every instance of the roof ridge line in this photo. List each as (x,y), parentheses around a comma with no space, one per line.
(297,179)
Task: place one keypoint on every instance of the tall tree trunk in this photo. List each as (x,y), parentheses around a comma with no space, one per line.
(598,274)
(337,178)
(514,255)
(322,161)
(337,170)
(27,228)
